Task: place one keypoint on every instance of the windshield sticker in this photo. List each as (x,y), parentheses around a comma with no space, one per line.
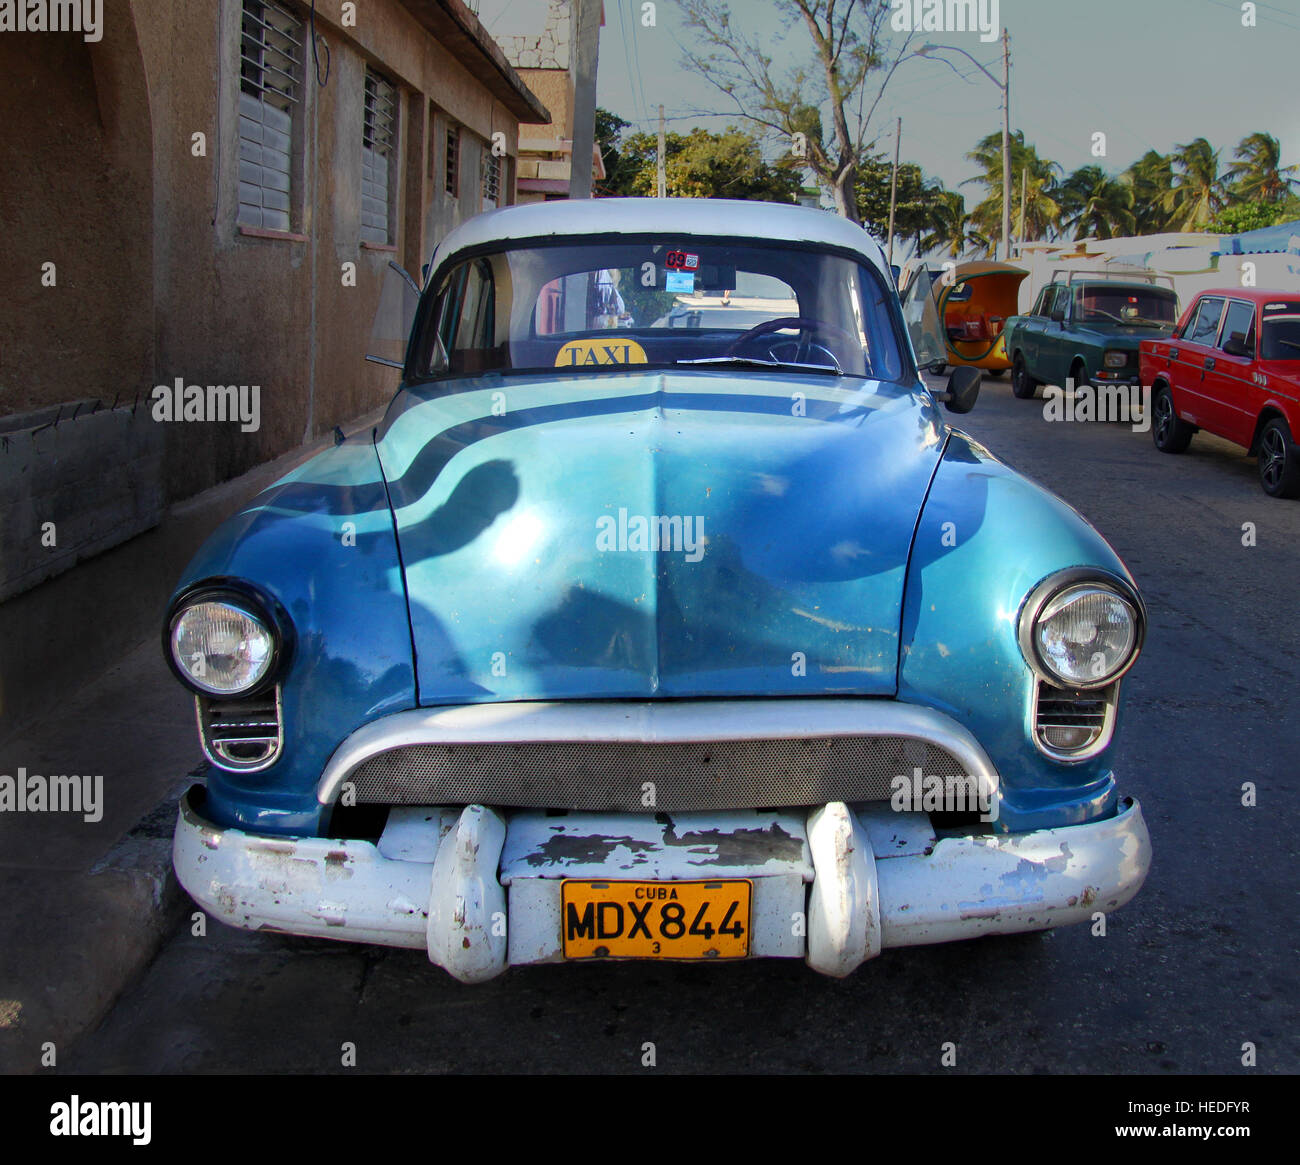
(1289,307)
(682,261)
(679,281)
(606,350)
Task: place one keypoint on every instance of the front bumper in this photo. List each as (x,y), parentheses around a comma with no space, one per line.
(480,891)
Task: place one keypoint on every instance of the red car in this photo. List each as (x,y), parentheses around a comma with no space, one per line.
(1232,368)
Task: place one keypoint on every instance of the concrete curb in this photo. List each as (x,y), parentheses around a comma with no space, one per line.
(88,906)
(93,947)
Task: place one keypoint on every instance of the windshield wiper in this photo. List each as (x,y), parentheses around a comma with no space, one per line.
(755,362)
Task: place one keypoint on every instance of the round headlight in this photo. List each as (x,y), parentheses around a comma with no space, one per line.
(221,647)
(1086,635)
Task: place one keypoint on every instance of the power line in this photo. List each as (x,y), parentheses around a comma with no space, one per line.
(636,57)
(627,59)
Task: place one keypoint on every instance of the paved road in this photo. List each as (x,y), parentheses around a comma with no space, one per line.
(1201,962)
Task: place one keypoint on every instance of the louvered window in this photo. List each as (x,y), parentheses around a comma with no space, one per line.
(491,180)
(378,142)
(270,92)
(453,160)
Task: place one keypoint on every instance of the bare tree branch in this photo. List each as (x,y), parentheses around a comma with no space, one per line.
(830,94)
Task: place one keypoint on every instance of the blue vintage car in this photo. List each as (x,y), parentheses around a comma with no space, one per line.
(662,617)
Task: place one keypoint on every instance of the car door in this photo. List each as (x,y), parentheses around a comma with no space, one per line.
(1187,361)
(1053,342)
(1231,395)
(1029,330)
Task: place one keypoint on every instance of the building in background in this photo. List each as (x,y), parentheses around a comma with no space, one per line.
(537,40)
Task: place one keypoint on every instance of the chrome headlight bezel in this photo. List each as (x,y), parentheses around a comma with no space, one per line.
(252,603)
(1056,586)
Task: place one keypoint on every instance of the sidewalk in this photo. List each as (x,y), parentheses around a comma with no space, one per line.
(88,902)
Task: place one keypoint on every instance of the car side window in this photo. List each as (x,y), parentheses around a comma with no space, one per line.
(1041,305)
(1205,324)
(1239,324)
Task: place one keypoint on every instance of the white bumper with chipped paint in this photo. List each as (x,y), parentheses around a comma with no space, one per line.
(479,892)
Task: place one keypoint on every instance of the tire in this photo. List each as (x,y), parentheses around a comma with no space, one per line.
(1279,461)
(1080,374)
(995,373)
(1170,432)
(1023,386)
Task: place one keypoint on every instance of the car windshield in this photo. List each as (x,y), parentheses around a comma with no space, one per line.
(1149,307)
(585,306)
(1281,336)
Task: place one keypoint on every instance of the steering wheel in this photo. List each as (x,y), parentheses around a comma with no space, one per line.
(804,346)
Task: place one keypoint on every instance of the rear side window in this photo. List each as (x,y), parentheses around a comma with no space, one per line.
(1239,323)
(1205,324)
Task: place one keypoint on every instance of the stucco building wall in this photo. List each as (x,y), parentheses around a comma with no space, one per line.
(120,163)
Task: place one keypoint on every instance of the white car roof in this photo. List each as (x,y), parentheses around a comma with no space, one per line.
(671,217)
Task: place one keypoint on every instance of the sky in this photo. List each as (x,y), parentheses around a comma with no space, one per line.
(1148,73)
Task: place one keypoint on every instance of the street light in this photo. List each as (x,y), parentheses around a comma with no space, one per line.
(1005,85)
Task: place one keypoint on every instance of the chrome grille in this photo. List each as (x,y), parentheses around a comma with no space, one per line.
(612,776)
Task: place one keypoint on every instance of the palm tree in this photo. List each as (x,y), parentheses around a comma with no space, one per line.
(1042,213)
(1151,178)
(950,226)
(1097,205)
(1258,174)
(1197,193)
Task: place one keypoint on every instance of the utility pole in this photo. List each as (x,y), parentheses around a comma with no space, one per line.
(1024,183)
(661,175)
(893,190)
(1005,85)
(584,37)
(1006,143)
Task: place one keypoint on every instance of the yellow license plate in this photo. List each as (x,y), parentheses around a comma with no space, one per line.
(656,920)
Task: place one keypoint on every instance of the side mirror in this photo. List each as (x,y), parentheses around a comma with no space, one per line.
(1058,315)
(1235,345)
(963,389)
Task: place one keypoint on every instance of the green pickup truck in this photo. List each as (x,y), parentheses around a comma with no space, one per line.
(1087,328)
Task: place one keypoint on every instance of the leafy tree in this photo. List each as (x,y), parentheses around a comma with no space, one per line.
(703,164)
(1258,174)
(917,198)
(1097,205)
(619,170)
(1197,192)
(1247,216)
(833,50)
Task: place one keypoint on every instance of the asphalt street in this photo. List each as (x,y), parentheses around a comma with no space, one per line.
(1201,963)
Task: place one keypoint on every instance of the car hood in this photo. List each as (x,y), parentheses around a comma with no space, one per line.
(657,534)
